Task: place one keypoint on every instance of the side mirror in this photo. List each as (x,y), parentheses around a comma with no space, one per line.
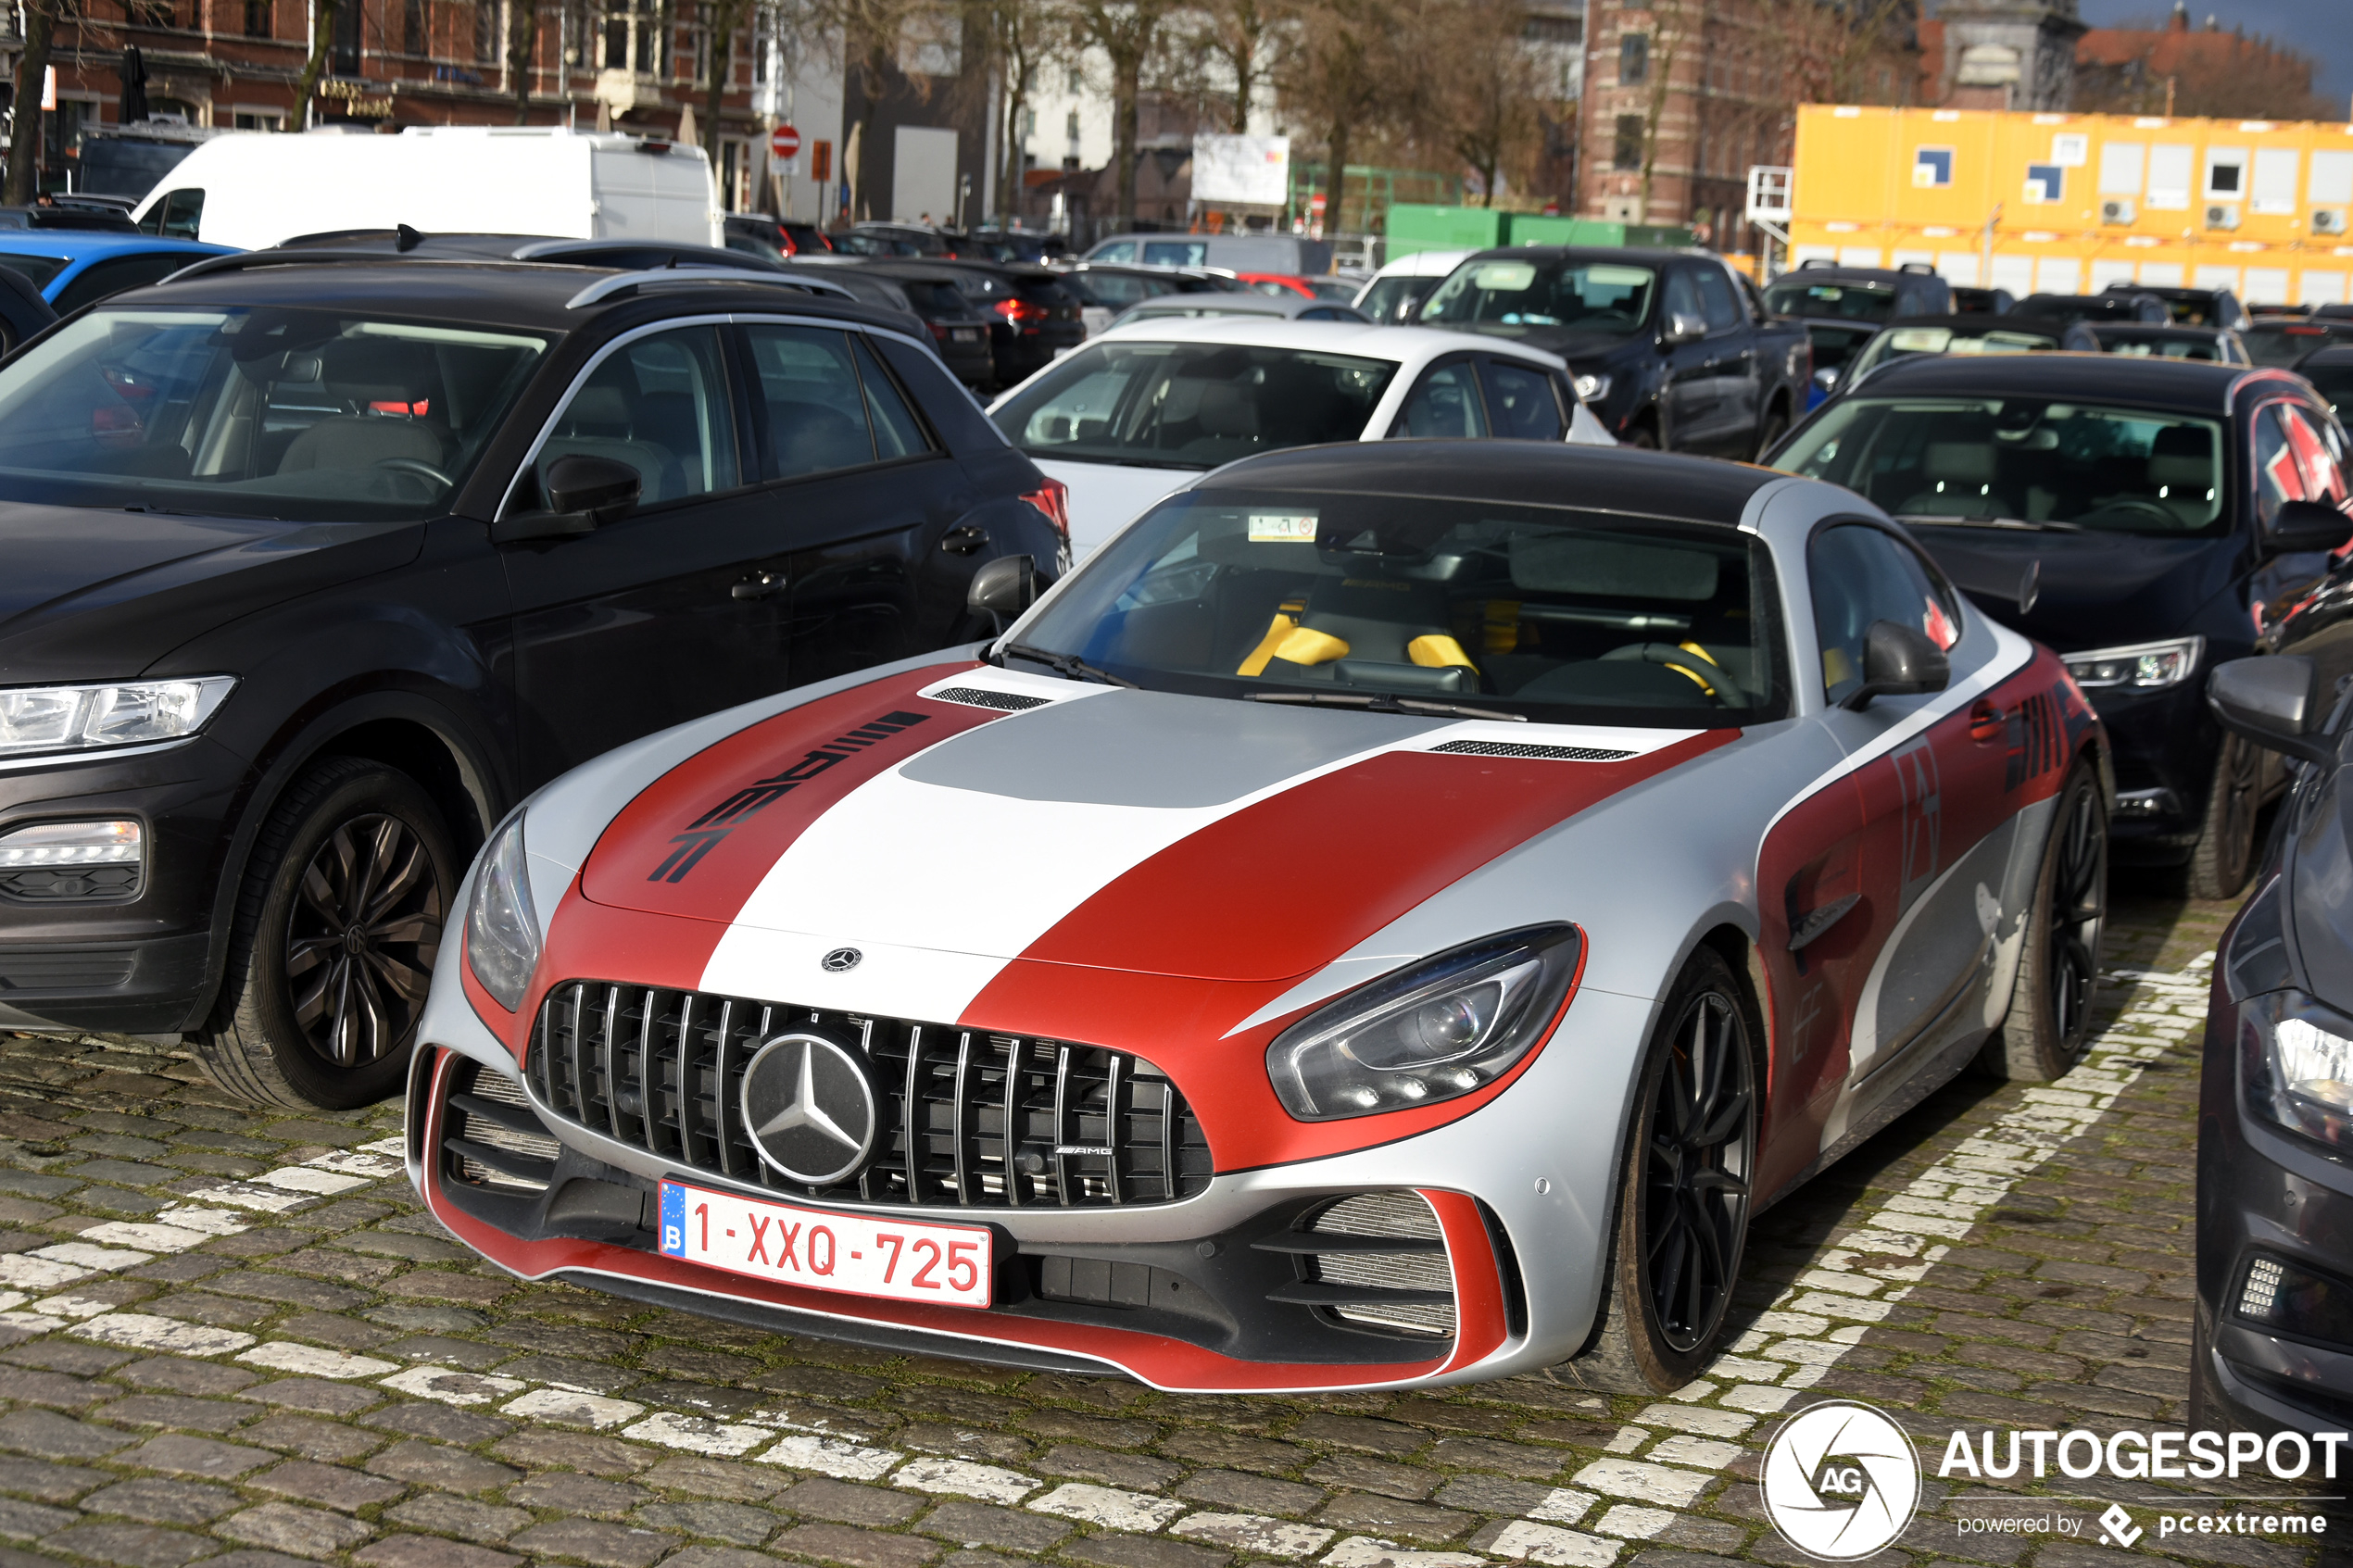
(1898,661)
(2274,702)
(584,493)
(1003,588)
(1684,327)
(1826,379)
(2307,525)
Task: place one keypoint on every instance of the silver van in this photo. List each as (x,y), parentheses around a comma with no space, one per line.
(1235,252)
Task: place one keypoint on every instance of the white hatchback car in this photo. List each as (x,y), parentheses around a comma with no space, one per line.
(1140,409)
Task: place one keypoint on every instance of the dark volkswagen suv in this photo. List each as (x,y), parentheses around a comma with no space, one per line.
(317,567)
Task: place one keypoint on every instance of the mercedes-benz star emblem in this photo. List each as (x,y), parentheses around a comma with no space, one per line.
(811,1107)
(840,958)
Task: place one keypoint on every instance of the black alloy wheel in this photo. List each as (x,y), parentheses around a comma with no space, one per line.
(2076,906)
(1698,1160)
(360,940)
(338,923)
(1680,1221)
(2225,857)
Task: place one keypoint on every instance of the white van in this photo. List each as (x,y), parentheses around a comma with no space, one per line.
(257,188)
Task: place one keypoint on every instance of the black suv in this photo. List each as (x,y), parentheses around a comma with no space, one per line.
(316,569)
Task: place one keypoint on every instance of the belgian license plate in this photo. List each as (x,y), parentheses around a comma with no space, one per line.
(965,335)
(824,1249)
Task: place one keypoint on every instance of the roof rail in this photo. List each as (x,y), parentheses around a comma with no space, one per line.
(621,284)
(242,259)
(1815,261)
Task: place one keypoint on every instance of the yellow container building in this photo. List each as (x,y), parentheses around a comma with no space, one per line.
(2070,203)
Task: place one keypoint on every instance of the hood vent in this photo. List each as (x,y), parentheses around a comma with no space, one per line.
(1520,749)
(976,696)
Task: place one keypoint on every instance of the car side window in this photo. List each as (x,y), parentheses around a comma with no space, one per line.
(2279,478)
(898,433)
(1682,296)
(1522,402)
(1862,574)
(117,273)
(1123,250)
(2323,472)
(1716,298)
(177,217)
(660,405)
(812,402)
(1445,403)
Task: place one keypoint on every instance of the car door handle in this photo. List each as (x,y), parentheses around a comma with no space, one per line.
(1987,723)
(966,540)
(759,585)
(1814,922)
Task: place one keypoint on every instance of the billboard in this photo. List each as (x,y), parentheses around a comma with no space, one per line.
(1252,170)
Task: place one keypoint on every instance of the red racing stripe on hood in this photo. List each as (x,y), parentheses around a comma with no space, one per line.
(1279,890)
(699,839)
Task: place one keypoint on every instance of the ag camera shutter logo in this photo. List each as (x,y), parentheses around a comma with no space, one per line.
(1841,1481)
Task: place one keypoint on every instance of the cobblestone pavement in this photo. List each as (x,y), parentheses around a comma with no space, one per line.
(239,1338)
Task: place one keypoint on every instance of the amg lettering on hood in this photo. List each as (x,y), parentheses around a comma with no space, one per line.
(2137,1456)
(687,849)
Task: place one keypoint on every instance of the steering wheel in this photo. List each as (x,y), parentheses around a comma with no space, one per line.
(417,466)
(1704,672)
(2139,506)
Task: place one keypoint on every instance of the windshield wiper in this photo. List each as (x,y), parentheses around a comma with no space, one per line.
(1956,521)
(1067,665)
(1384,703)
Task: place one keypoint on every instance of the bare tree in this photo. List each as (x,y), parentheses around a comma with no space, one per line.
(32,70)
(1489,86)
(1020,36)
(1241,36)
(323,38)
(1354,72)
(522,44)
(1129,34)
(721,18)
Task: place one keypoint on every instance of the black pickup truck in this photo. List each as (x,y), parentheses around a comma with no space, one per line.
(1670,348)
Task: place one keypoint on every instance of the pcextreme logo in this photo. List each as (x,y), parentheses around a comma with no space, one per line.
(1841,1481)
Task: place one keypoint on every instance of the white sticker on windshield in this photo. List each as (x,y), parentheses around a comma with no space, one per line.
(1269,527)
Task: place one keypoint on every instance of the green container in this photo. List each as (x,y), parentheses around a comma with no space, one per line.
(1551,228)
(1657,234)
(1413,227)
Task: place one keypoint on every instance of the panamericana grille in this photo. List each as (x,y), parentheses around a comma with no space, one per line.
(1521,748)
(663,1071)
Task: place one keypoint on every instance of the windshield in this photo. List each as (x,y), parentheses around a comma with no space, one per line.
(2019,460)
(1395,299)
(2156,344)
(2285,346)
(247,413)
(1548,611)
(1898,342)
(1586,296)
(1191,405)
(1853,302)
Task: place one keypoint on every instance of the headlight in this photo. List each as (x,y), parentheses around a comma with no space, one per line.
(1432,1032)
(1590,388)
(86,718)
(2142,667)
(502,930)
(2297,1059)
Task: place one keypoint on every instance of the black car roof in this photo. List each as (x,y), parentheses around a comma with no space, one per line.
(1974,321)
(1609,479)
(2187,386)
(527,294)
(2156,329)
(1836,274)
(2334,354)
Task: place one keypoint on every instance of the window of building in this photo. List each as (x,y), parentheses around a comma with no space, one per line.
(486,30)
(1932,167)
(1628,152)
(259,19)
(345,60)
(1633,58)
(2045,182)
(415,38)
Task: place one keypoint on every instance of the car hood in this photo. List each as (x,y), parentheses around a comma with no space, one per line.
(948,841)
(1576,347)
(1105,497)
(90,595)
(2091,590)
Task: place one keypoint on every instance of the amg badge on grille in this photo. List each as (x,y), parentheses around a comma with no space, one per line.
(811,1107)
(839,960)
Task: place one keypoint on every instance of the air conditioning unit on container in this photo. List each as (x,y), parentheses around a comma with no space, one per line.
(2222,215)
(2117,212)
(2328,220)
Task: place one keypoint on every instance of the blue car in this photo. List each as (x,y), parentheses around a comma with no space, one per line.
(72,266)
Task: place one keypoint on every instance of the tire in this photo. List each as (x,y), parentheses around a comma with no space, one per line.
(306,1018)
(1644,435)
(1683,1195)
(2050,1016)
(2225,857)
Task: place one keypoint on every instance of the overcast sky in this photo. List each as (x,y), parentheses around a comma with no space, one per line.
(2322,28)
